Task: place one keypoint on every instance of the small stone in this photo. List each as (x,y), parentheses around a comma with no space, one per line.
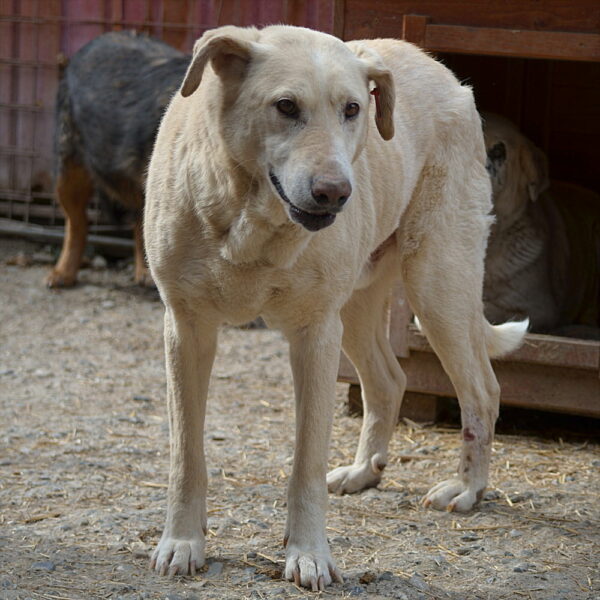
(492,495)
(418,582)
(108,304)
(42,373)
(340,540)
(515,533)
(357,590)
(45,565)
(99,262)
(423,540)
(522,568)
(140,550)
(386,576)
(520,497)
(214,569)
(367,577)
(470,537)
(440,560)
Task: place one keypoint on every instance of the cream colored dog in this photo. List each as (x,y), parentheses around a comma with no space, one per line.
(270,193)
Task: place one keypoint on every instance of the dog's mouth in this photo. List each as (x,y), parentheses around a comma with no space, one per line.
(312,221)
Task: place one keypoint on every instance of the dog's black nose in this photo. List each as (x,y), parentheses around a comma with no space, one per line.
(330,193)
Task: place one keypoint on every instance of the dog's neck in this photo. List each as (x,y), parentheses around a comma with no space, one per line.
(253,237)
(242,213)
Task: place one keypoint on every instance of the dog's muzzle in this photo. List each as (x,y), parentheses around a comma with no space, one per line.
(313,221)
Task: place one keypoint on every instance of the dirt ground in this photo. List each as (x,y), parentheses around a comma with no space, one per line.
(84,459)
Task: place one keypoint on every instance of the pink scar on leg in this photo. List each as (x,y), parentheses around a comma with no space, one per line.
(468,435)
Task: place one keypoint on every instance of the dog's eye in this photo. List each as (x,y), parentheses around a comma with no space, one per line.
(352,109)
(287,107)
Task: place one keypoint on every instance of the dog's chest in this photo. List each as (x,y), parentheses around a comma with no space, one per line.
(240,293)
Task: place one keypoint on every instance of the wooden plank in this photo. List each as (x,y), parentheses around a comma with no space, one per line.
(367,19)
(50,234)
(540,387)
(490,41)
(414,28)
(339,20)
(421,408)
(537,349)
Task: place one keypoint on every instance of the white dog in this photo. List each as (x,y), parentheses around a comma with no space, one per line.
(271,193)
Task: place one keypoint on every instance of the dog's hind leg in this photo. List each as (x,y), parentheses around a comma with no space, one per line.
(383,382)
(74,189)
(443,284)
(190,349)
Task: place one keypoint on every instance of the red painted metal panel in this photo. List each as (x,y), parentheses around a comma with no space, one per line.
(34,34)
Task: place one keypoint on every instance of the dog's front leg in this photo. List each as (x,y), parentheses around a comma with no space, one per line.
(190,350)
(314,354)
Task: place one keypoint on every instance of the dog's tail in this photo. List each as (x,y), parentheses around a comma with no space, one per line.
(501,339)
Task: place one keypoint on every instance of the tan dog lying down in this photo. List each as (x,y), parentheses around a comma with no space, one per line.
(271,193)
(543,256)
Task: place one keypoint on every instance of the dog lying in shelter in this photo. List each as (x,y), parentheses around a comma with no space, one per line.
(297,177)
(543,256)
(110,100)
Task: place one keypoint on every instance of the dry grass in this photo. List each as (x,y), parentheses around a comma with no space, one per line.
(83,470)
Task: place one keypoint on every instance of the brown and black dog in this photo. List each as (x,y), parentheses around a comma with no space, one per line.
(110,101)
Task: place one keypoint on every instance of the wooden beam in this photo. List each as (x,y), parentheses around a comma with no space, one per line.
(539,349)
(556,45)
(414,28)
(495,41)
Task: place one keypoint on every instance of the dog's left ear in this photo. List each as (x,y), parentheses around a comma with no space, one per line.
(383,91)
(228,48)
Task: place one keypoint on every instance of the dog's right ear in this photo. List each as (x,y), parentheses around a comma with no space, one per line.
(228,48)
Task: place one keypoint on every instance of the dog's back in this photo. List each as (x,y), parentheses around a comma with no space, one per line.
(110,101)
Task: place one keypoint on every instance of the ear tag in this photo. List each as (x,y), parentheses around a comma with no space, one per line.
(375,93)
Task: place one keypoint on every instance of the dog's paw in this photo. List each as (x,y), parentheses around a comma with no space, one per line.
(143,277)
(354,478)
(58,279)
(178,556)
(313,570)
(452,495)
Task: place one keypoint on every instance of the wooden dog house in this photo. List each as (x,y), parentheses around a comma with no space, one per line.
(537,63)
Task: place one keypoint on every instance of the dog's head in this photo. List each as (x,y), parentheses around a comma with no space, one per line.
(293,111)
(518,169)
